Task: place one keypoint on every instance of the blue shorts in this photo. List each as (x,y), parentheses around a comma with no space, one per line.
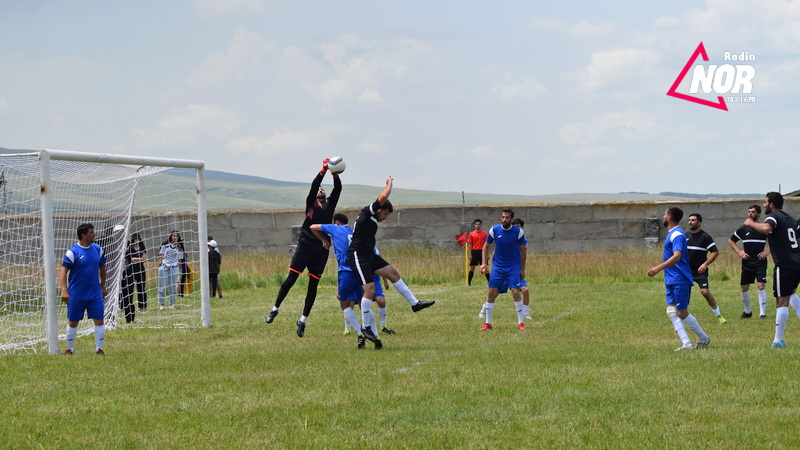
(504,288)
(76,308)
(679,294)
(350,289)
(378,286)
(502,279)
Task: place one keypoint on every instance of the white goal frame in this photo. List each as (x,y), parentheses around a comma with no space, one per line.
(50,272)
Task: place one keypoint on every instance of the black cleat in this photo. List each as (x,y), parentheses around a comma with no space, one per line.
(387,330)
(367,332)
(301,328)
(361,342)
(746,315)
(271,315)
(762,316)
(421,305)
(378,344)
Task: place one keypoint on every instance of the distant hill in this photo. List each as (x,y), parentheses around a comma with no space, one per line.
(226,190)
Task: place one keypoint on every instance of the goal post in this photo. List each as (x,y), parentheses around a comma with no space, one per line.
(121,196)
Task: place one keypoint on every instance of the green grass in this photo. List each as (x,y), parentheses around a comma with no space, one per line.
(596,368)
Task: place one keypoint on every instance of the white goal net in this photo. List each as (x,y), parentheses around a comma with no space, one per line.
(45,195)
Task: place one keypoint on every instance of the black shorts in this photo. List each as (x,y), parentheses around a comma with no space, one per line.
(365,265)
(750,277)
(785,282)
(312,256)
(701,279)
(475,257)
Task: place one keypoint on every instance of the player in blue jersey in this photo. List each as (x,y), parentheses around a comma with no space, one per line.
(754,262)
(349,291)
(678,281)
(508,264)
(82,277)
(523,285)
(781,230)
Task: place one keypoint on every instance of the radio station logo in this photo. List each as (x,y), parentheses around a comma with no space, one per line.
(731,82)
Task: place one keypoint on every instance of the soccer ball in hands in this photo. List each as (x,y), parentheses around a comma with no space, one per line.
(336,164)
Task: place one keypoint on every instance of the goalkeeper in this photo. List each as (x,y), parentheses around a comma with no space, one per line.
(310,254)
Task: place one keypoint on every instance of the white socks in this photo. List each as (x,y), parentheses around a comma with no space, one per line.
(746,301)
(677,323)
(693,325)
(382,315)
(72,333)
(351,320)
(794,302)
(715,310)
(367,316)
(403,290)
(762,301)
(520,311)
(489,311)
(781,317)
(99,336)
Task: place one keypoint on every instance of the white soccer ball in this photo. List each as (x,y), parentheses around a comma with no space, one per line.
(118,228)
(336,164)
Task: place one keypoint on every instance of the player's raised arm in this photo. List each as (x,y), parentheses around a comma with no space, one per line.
(384,195)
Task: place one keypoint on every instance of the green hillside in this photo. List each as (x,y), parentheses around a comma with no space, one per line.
(229,191)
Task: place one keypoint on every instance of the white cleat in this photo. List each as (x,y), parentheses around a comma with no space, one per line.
(685,346)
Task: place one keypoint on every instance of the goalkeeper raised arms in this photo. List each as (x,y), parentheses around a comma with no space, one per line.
(310,254)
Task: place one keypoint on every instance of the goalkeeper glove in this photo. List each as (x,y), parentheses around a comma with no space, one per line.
(325,165)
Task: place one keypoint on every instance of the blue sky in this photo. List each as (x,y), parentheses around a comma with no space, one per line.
(499,97)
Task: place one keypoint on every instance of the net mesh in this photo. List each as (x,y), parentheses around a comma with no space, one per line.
(119,200)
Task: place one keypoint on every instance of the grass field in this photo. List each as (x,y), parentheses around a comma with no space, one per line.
(596,368)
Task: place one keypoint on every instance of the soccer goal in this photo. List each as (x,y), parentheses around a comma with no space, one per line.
(46,194)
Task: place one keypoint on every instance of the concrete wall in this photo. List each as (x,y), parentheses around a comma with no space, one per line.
(569,227)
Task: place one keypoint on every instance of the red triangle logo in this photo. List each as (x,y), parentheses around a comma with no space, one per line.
(700,51)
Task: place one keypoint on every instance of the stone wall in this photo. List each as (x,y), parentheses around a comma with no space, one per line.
(550,227)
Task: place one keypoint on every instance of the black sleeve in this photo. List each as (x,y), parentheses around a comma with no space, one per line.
(312,193)
(333,199)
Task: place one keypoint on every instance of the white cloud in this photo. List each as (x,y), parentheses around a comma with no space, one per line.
(625,125)
(356,70)
(616,67)
(246,51)
(188,124)
(587,29)
(286,141)
(214,7)
(445,151)
(595,152)
(485,151)
(371,97)
(372,148)
(298,66)
(743,22)
(523,89)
